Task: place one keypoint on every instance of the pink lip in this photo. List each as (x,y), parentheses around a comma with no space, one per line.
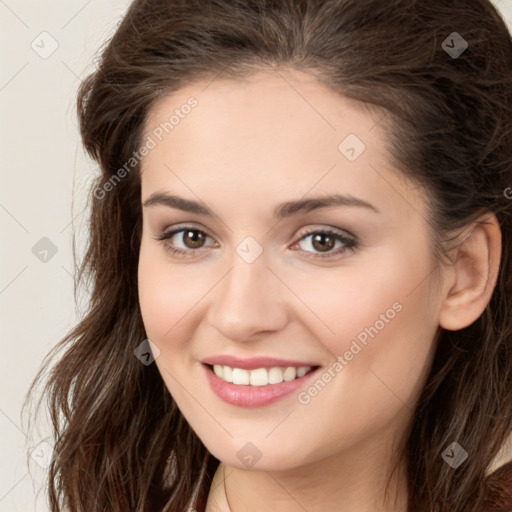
(254,396)
(253,363)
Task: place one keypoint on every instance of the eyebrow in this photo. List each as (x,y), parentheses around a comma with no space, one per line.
(283,210)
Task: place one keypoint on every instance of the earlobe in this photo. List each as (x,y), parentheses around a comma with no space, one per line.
(475,273)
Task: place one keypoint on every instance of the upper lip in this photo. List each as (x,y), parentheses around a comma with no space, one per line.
(253,363)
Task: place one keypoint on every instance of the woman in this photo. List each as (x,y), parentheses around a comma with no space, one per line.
(300,250)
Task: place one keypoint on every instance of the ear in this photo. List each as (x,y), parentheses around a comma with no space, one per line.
(473,275)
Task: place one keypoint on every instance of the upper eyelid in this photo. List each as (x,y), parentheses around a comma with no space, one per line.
(180,229)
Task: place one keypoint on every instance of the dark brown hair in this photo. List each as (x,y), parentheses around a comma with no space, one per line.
(121,443)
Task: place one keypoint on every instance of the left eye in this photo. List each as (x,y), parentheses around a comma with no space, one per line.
(322,241)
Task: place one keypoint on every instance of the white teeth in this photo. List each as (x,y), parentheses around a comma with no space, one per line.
(228,373)
(301,371)
(290,373)
(275,376)
(260,376)
(240,376)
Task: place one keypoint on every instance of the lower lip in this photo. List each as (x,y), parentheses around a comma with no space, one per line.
(254,396)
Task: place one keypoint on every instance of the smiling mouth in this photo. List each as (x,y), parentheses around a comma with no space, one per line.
(260,376)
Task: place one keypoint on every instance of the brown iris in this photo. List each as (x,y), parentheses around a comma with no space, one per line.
(197,238)
(319,242)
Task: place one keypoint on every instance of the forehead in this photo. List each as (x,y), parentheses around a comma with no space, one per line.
(273,132)
(271,103)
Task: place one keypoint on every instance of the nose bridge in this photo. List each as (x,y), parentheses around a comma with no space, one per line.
(248,298)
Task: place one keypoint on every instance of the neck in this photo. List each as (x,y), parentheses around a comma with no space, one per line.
(352,482)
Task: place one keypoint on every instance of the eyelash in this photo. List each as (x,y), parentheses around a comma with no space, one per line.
(350,244)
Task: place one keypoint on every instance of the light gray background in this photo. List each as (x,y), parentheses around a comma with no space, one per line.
(43,166)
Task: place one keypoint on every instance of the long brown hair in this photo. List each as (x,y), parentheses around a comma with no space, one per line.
(121,443)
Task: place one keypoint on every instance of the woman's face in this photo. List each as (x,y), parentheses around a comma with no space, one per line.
(348,288)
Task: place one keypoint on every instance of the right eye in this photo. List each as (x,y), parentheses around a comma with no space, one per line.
(192,240)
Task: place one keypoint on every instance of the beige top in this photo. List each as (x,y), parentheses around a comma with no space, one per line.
(504,456)
(217,501)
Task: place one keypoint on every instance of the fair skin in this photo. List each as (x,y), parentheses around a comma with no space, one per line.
(247,147)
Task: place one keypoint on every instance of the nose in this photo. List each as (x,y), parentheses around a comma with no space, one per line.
(249,301)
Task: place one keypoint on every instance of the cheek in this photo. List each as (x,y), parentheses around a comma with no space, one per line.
(164,295)
(167,290)
(380,318)
(340,303)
